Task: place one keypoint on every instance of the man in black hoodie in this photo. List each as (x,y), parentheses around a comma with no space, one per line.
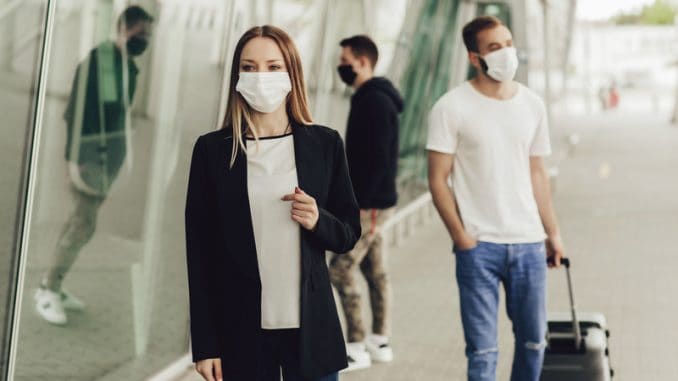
(372,153)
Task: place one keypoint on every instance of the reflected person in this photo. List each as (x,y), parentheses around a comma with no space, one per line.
(97,121)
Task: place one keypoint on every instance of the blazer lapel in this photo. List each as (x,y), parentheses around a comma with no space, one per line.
(237,210)
(309,162)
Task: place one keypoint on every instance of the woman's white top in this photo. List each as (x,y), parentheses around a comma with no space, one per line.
(271,174)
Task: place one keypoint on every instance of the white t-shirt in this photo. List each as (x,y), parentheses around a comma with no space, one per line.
(492,141)
(271,174)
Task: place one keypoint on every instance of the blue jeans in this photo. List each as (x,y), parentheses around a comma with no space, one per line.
(522,270)
(279,350)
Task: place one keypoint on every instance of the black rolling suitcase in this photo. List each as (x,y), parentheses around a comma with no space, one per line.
(577,345)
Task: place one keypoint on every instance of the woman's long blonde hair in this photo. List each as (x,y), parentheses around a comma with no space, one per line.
(237,109)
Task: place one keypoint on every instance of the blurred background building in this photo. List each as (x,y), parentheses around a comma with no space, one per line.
(602,77)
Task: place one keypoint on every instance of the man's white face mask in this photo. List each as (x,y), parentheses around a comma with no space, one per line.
(264,91)
(501,65)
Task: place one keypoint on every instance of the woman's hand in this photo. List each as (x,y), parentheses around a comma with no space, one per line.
(304,208)
(209,369)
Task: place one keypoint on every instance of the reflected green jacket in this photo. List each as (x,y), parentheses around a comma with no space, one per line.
(95,116)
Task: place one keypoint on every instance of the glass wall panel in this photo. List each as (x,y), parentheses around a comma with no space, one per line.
(425,78)
(105,294)
(21,31)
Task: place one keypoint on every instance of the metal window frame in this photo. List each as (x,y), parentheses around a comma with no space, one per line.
(24,222)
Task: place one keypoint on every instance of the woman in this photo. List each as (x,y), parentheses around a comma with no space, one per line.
(267,195)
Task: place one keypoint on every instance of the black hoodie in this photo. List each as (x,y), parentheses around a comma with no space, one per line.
(372,143)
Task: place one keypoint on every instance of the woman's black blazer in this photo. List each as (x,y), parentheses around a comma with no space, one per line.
(223,274)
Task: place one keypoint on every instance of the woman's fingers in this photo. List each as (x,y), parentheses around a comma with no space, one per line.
(209,369)
(217,370)
(206,374)
(298,197)
(304,221)
(302,206)
(302,214)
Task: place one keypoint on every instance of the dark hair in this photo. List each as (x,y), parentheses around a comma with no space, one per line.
(362,46)
(133,15)
(475,26)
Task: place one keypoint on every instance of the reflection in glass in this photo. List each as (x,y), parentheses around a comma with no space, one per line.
(97,137)
(105,277)
(424,80)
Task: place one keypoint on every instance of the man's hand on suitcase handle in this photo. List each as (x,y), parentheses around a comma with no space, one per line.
(565,261)
(555,251)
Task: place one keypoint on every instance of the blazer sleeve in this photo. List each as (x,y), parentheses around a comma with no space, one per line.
(338,227)
(199,238)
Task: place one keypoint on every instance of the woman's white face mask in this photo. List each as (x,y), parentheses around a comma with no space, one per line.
(264,91)
(501,64)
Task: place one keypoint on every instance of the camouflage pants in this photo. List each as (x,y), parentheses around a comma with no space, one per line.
(370,255)
(76,232)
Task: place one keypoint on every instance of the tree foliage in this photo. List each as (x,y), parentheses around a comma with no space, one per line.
(658,13)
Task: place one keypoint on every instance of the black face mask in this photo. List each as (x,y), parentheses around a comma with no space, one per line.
(347,74)
(136,45)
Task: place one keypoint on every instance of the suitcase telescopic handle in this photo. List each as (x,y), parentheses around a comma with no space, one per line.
(575,321)
(565,262)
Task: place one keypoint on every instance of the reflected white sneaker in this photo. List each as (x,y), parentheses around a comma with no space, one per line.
(70,302)
(49,306)
(357,356)
(379,348)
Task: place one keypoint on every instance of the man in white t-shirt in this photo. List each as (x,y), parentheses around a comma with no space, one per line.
(491,134)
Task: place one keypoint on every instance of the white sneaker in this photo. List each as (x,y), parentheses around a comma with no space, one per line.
(49,306)
(379,348)
(357,356)
(70,302)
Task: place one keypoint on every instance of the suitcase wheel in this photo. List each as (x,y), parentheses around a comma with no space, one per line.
(607,333)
